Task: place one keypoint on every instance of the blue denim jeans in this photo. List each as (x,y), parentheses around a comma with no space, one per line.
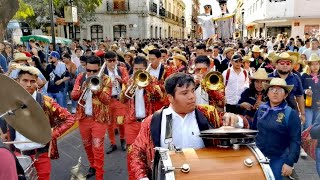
(318,160)
(276,167)
(58,97)
(311,117)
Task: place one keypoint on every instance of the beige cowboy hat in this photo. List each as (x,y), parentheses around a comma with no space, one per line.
(284,56)
(260,74)
(21,57)
(278,82)
(313,58)
(176,49)
(247,59)
(129,54)
(227,50)
(180,57)
(148,48)
(271,55)
(256,48)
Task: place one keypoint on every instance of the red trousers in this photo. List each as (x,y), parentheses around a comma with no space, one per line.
(117,111)
(42,165)
(132,131)
(92,134)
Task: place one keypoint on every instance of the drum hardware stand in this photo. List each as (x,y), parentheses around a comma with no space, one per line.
(11,112)
(185,168)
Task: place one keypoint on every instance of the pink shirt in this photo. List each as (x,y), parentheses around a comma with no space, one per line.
(8,170)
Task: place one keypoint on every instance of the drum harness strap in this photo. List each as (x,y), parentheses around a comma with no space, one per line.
(168,135)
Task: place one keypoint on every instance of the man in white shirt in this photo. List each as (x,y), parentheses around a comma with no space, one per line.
(313,49)
(118,110)
(179,125)
(236,80)
(140,106)
(60,120)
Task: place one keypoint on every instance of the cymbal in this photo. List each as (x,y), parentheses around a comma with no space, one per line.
(229,130)
(27,115)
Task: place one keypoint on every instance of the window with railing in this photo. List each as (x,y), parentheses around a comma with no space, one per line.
(118,5)
(162,12)
(96,33)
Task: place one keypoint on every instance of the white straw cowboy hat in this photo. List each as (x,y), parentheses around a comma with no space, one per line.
(277,82)
(260,74)
(21,57)
(247,59)
(256,48)
(32,70)
(284,56)
(227,50)
(180,57)
(313,58)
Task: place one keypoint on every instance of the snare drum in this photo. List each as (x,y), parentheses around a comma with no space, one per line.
(28,167)
(211,163)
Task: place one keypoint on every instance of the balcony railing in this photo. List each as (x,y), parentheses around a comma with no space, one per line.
(118,6)
(153,7)
(162,12)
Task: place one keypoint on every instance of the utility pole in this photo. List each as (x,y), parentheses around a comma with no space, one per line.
(52,24)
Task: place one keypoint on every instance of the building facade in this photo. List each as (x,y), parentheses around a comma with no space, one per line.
(265,18)
(142,19)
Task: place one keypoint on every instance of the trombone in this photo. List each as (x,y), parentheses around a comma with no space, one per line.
(141,78)
(94,84)
(212,81)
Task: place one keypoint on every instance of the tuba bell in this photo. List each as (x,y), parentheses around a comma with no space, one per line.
(141,78)
(212,81)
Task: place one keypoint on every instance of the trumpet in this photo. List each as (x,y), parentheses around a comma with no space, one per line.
(141,78)
(212,81)
(94,84)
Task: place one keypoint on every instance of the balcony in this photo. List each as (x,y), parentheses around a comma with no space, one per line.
(153,8)
(118,6)
(162,12)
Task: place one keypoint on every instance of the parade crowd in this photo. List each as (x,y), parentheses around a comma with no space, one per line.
(270,85)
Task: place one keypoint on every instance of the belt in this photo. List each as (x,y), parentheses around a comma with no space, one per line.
(33,151)
(140,119)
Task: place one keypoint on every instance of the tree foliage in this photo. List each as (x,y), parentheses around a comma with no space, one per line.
(25,11)
(40,9)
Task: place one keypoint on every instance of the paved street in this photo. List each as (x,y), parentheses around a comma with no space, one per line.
(70,148)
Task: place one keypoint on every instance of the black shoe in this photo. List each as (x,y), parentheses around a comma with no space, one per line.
(91,172)
(123,144)
(111,149)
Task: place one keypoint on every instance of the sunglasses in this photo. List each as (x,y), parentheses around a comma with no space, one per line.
(288,63)
(111,60)
(276,90)
(92,70)
(201,70)
(207,6)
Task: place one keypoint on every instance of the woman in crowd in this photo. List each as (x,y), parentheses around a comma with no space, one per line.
(311,79)
(254,96)
(279,127)
(2,46)
(8,52)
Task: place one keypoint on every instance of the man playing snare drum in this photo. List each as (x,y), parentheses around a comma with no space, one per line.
(183,118)
(60,120)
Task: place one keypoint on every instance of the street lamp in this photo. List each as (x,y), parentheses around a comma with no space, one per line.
(182,20)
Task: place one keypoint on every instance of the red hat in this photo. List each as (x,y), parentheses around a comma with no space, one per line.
(27,54)
(100,53)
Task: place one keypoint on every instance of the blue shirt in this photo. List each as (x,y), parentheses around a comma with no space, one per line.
(276,137)
(297,90)
(3,63)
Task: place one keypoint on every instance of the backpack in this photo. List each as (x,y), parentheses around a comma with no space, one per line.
(228,75)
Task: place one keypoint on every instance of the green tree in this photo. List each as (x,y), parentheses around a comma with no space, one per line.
(25,11)
(8,9)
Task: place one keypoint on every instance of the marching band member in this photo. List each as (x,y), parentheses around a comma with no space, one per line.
(140,106)
(93,115)
(119,76)
(205,96)
(161,72)
(60,120)
(182,118)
